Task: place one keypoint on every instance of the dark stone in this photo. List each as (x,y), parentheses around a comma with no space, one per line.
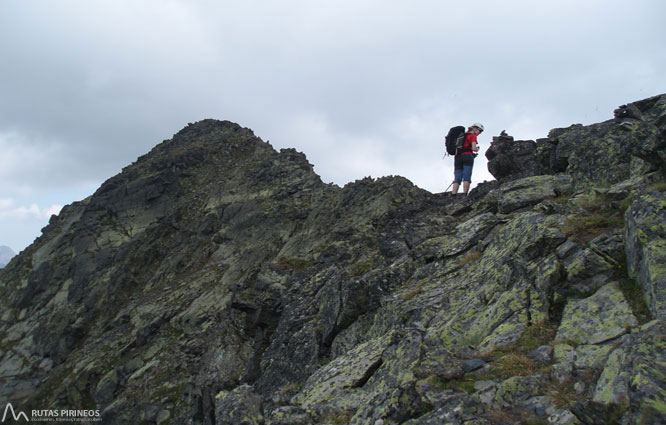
(510,159)
(473,364)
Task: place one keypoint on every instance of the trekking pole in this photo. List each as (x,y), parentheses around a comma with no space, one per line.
(447,189)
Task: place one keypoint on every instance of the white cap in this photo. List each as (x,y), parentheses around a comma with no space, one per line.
(479,125)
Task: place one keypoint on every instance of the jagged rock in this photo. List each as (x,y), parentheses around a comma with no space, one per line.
(602,317)
(232,270)
(460,239)
(107,386)
(634,375)
(575,365)
(289,415)
(240,406)
(563,417)
(542,355)
(458,408)
(345,373)
(531,190)
(510,160)
(622,190)
(629,111)
(610,246)
(472,365)
(441,363)
(517,390)
(586,271)
(645,235)
(601,154)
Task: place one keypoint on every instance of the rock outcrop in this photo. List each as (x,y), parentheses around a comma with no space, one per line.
(218,281)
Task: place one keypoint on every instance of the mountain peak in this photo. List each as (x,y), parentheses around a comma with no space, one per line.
(6,254)
(218,281)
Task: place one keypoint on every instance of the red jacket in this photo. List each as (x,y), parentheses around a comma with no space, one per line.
(467,145)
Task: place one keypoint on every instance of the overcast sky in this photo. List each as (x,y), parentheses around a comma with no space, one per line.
(362,87)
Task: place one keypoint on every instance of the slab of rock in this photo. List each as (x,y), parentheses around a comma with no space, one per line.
(645,236)
(635,375)
(239,406)
(604,316)
(345,372)
(532,190)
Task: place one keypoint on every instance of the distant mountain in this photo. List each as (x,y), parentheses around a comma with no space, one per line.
(6,254)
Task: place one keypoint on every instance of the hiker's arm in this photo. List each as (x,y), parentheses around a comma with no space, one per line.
(475,148)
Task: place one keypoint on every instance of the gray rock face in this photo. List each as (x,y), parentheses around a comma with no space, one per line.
(216,280)
(602,317)
(645,235)
(510,159)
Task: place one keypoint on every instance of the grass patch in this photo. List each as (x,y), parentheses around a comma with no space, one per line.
(625,204)
(561,199)
(468,258)
(361,267)
(563,394)
(472,340)
(535,336)
(657,187)
(503,417)
(516,364)
(411,293)
(584,228)
(338,418)
(534,420)
(290,388)
(466,385)
(293,264)
(510,361)
(433,382)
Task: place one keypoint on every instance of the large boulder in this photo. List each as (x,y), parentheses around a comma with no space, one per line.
(604,316)
(634,376)
(510,159)
(531,190)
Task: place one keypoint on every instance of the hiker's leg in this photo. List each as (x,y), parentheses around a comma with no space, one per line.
(457,178)
(467,177)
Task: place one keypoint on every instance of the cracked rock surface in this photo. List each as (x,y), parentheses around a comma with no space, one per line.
(218,281)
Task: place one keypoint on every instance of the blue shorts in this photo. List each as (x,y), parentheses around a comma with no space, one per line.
(463,169)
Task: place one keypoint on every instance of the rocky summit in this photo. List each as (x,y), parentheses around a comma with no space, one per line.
(219,281)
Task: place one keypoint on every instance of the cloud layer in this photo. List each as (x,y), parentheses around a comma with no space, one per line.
(363,87)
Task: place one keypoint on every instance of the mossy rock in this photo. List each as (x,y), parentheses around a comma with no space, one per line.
(604,316)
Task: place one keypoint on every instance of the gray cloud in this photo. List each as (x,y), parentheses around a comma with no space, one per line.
(362,87)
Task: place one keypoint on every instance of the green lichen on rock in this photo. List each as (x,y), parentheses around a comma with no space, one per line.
(635,374)
(604,316)
(245,290)
(645,236)
(344,373)
(531,191)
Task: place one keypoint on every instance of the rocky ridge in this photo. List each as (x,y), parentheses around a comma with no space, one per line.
(218,281)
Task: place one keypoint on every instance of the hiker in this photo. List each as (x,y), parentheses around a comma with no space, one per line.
(464,160)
